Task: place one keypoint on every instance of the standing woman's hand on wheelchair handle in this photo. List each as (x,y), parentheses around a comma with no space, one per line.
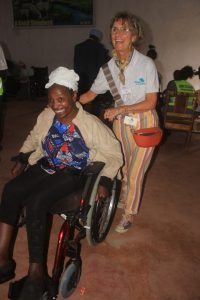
(111,113)
(17,168)
(102,192)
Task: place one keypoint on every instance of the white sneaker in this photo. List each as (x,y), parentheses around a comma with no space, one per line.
(124,224)
(120,205)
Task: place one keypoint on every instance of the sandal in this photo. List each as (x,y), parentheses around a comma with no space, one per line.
(8,271)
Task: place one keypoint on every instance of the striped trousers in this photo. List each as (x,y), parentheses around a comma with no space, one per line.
(136,159)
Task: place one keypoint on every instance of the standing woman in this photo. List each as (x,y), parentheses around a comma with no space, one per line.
(136,79)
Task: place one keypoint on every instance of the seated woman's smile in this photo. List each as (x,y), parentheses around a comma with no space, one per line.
(62,103)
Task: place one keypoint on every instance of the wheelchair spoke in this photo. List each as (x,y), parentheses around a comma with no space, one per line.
(101,218)
(103,214)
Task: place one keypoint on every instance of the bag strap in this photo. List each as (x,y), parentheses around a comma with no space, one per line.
(112,85)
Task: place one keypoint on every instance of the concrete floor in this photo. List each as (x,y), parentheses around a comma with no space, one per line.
(159,257)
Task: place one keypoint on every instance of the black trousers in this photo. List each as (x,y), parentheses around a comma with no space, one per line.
(37,191)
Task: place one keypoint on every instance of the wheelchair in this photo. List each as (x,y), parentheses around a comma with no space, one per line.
(83,216)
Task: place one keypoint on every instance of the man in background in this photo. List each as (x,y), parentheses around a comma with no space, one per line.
(89,56)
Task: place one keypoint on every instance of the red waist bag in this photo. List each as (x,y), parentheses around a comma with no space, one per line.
(148,137)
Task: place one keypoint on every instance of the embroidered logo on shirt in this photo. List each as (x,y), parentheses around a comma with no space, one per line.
(140,81)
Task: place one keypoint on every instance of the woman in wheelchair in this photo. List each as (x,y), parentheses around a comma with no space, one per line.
(64,140)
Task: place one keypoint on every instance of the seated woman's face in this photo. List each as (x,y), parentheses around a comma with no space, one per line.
(62,102)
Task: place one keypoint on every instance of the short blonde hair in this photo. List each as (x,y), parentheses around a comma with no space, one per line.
(133,22)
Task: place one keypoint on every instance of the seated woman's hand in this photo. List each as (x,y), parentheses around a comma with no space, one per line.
(111,113)
(102,192)
(17,168)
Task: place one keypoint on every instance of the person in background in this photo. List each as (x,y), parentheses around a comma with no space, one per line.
(64,140)
(136,79)
(152,53)
(180,84)
(24,90)
(177,75)
(193,77)
(89,56)
(185,80)
(3,69)
(171,86)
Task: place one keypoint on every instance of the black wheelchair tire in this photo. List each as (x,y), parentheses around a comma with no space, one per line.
(96,232)
(70,278)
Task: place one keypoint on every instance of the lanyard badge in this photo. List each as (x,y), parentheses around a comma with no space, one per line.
(131,121)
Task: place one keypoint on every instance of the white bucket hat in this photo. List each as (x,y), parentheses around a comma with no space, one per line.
(63,76)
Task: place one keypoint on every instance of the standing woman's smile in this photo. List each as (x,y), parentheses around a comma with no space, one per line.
(122,38)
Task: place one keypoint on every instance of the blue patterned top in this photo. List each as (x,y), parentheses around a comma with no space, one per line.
(64,146)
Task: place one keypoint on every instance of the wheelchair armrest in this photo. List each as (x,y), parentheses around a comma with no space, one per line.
(92,172)
(94,168)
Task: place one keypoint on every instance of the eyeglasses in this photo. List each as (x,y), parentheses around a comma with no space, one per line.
(123,30)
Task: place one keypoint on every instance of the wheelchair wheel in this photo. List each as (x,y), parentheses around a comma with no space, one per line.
(100,217)
(70,278)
